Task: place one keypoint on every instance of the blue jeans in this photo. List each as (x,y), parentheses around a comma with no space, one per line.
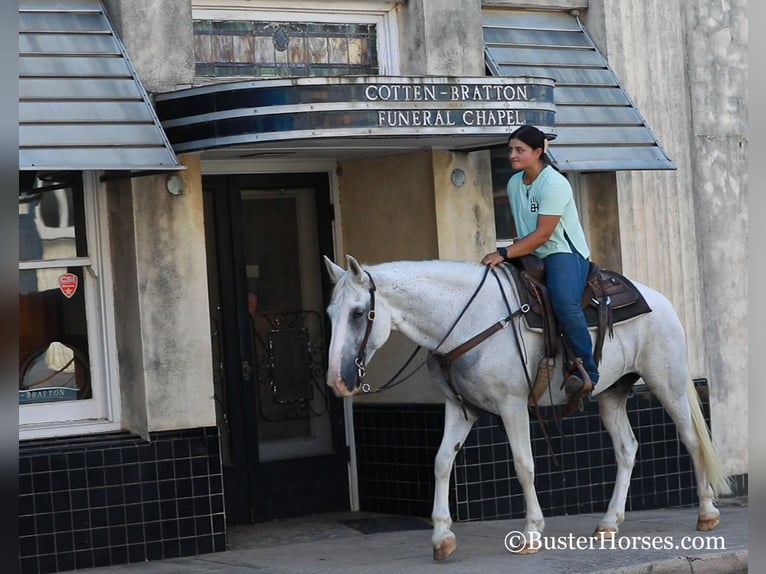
(565,276)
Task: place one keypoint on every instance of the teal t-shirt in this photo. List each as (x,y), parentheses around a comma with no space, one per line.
(549,194)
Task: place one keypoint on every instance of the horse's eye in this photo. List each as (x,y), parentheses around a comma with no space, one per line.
(358,313)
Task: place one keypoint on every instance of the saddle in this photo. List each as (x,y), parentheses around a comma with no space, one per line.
(608,298)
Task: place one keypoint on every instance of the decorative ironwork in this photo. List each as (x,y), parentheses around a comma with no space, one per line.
(290,365)
(280,38)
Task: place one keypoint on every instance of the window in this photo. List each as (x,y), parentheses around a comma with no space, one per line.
(247,39)
(63,279)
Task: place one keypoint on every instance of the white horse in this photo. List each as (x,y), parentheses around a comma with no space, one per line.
(423,299)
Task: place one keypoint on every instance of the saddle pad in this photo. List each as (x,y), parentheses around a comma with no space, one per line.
(627,300)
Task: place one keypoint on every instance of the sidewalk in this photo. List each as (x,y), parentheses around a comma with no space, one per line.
(321,544)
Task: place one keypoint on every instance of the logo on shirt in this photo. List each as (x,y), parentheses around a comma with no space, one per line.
(534,206)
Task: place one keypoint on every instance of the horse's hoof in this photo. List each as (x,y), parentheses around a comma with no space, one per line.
(605,532)
(528,548)
(445,548)
(708,522)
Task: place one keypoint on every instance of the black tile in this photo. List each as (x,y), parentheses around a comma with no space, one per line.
(76,460)
(115,495)
(171,549)
(47,564)
(219,542)
(62,521)
(102,557)
(186,507)
(43,503)
(132,493)
(168,509)
(113,476)
(164,450)
(134,513)
(80,519)
(64,542)
(94,458)
(41,482)
(152,531)
(135,533)
(99,537)
(129,454)
(188,546)
(65,561)
(83,559)
(82,540)
(154,551)
(186,527)
(25,484)
(130,473)
(184,488)
(151,511)
(112,457)
(99,517)
(61,502)
(118,535)
(169,529)
(27,526)
(77,479)
(167,489)
(205,545)
(148,471)
(203,525)
(119,554)
(95,476)
(150,491)
(40,464)
(116,515)
(28,546)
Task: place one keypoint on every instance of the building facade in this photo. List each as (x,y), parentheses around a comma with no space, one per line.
(185,165)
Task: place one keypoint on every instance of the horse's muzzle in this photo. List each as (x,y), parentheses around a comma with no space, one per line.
(342,389)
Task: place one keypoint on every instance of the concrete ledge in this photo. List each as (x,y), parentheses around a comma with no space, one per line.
(728,563)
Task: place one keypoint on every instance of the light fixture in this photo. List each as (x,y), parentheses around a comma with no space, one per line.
(458,177)
(175,184)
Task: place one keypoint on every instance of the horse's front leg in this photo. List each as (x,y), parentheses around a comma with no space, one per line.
(456,429)
(516,420)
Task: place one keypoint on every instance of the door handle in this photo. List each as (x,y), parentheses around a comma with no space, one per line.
(247,370)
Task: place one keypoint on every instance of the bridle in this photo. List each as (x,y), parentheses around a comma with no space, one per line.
(361,356)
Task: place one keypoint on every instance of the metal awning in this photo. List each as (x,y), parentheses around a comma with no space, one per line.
(597,125)
(81,104)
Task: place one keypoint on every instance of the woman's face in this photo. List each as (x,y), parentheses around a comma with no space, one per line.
(521,155)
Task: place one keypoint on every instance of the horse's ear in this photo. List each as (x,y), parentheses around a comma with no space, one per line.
(356,269)
(334,271)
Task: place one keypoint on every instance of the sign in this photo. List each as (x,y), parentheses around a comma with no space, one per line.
(68,284)
(47,395)
(311,109)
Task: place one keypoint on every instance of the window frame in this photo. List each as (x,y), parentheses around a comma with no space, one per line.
(380,13)
(101,412)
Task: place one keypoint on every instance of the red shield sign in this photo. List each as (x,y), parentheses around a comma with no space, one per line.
(68,284)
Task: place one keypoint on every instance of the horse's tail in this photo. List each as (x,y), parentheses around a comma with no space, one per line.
(713,468)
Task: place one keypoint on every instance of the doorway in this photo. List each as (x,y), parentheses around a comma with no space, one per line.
(282,430)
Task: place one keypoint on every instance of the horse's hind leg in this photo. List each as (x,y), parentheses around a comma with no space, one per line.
(456,429)
(612,407)
(679,398)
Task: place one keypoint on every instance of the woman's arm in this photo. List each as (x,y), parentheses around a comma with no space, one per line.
(527,244)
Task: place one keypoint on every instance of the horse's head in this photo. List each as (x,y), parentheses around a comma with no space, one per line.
(361,323)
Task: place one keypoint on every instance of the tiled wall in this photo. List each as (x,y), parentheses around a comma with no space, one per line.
(115,498)
(396,446)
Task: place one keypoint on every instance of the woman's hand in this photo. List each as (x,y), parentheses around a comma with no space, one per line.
(492,259)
